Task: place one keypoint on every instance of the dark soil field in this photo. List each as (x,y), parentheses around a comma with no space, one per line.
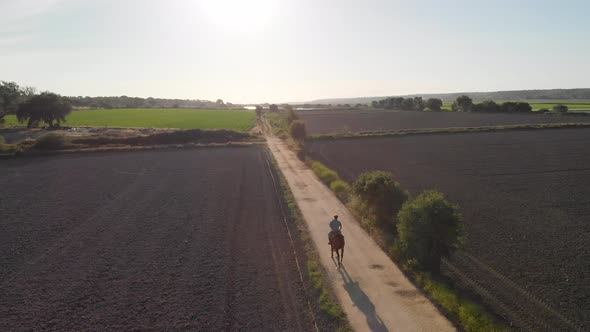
(525,197)
(167,240)
(341,121)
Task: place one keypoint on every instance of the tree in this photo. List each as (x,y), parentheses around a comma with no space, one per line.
(488,106)
(462,104)
(561,108)
(219,102)
(47,107)
(10,93)
(434,104)
(429,228)
(298,131)
(273,108)
(258,110)
(418,103)
(381,194)
(407,104)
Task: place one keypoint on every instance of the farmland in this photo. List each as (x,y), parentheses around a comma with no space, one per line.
(168,240)
(239,120)
(340,121)
(525,198)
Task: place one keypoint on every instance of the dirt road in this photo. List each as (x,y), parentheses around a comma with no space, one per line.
(160,240)
(373,291)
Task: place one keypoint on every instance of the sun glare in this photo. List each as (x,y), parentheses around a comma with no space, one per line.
(238,15)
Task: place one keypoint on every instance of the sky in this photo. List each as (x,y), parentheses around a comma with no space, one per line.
(249,51)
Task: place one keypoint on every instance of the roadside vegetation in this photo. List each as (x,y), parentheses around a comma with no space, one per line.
(286,125)
(417,233)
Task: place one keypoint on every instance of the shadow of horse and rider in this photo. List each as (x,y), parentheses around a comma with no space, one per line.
(358,297)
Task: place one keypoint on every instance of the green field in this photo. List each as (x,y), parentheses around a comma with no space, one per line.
(539,104)
(239,120)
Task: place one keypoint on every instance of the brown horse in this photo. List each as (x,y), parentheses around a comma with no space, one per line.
(337,245)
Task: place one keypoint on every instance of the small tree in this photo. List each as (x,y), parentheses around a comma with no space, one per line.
(273,108)
(429,228)
(381,194)
(298,131)
(462,103)
(47,107)
(434,104)
(560,108)
(258,111)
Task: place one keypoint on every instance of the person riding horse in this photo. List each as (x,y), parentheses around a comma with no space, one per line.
(336,227)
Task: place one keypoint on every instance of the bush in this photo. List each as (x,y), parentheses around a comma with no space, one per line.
(429,229)
(298,131)
(543,110)
(341,189)
(560,108)
(325,174)
(2,140)
(51,141)
(379,192)
(291,116)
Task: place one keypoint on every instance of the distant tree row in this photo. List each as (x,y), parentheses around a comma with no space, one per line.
(136,102)
(408,104)
(463,103)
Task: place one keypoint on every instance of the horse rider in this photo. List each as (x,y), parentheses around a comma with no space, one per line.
(336,227)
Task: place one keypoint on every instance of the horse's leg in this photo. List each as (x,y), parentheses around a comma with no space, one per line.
(332,251)
(342,255)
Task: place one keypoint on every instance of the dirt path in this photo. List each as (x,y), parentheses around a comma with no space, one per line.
(372,290)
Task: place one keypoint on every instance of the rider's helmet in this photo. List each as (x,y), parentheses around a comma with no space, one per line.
(335,216)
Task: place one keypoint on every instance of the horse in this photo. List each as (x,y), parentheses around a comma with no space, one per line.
(337,245)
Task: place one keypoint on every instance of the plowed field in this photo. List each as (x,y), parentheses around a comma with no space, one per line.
(166,240)
(334,121)
(525,197)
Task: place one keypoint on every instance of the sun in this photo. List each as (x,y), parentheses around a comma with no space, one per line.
(240,15)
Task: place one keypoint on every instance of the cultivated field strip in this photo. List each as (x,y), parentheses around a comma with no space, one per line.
(525,198)
(519,307)
(351,121)
(158,240)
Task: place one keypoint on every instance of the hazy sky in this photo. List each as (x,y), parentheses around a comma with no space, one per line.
(292,50)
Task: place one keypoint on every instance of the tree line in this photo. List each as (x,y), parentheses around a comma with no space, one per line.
(463,103)
(31,107)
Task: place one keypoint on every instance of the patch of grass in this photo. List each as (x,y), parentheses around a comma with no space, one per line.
(279,123)
(469,315)
(238,120)
(325,174)
(327,303)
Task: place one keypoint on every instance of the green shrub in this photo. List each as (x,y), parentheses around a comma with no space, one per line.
(543,110)
(341,189)
(381,194)
(429,229)
(297,130)
(560,108)
(51,141)
(325,174)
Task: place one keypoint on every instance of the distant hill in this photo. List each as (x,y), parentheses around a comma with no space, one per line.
(551,94)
